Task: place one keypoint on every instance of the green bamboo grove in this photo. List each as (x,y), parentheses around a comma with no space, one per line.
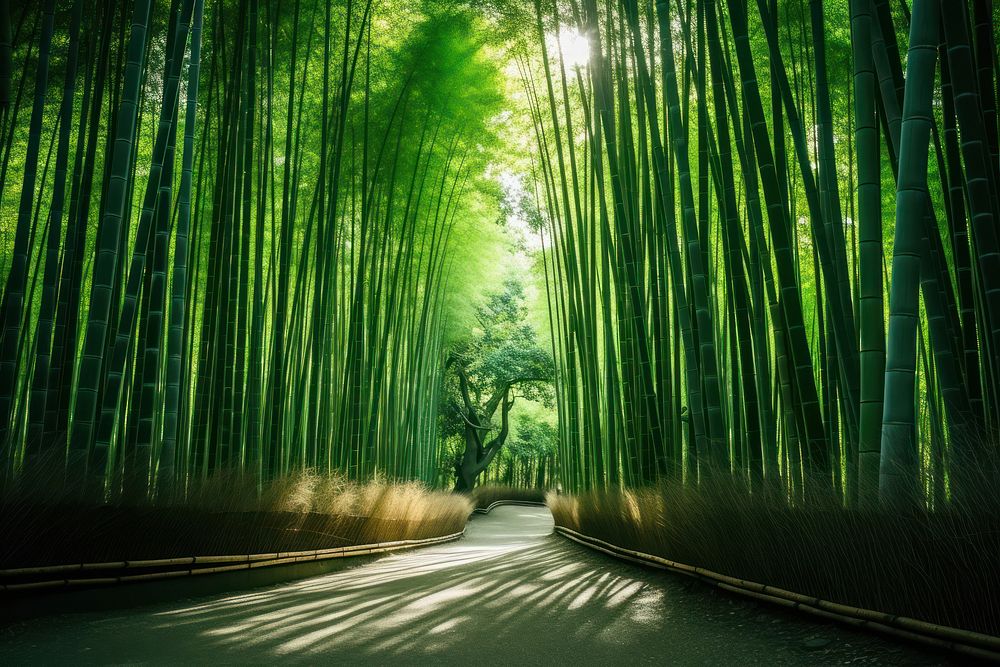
(761,240)
(771,257)
(231,232)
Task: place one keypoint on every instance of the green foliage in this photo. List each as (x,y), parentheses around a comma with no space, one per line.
(293,249)
(534,438)
(697,205)
(503,349)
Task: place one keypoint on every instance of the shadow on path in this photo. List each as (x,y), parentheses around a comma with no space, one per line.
(510,592)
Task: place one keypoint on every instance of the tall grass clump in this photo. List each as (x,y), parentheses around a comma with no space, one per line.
(225,514)
(940,566)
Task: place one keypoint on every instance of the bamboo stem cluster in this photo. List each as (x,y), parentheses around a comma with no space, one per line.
(251,272)
(722,233)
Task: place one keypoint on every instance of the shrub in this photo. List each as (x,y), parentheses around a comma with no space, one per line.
(938,566)
(226,514)
(484,496)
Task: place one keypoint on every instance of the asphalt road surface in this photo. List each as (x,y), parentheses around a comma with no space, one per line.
(509,593)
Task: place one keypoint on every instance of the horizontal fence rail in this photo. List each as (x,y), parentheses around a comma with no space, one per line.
(966,642)
(116,572)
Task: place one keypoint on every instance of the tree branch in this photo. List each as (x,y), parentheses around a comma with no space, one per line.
(472,424)
(501,392)
(496,443)
(494,402)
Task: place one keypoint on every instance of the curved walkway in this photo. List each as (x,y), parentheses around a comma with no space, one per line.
(510,592)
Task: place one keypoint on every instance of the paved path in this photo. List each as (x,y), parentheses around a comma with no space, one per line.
(510,592)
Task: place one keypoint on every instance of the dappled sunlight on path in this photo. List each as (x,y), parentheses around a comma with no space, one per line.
(504,576)
(509,592)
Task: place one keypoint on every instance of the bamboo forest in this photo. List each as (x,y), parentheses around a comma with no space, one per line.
(576,291)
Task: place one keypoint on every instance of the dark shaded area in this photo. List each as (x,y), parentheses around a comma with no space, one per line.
(937,566)
(43,522)
(52,535)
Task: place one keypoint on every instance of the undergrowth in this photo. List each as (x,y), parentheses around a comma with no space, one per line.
(484,496)
(226,514)
(939,566)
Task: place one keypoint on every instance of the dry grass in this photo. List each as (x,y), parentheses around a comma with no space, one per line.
(225,515)
(484,496)
(942,567)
